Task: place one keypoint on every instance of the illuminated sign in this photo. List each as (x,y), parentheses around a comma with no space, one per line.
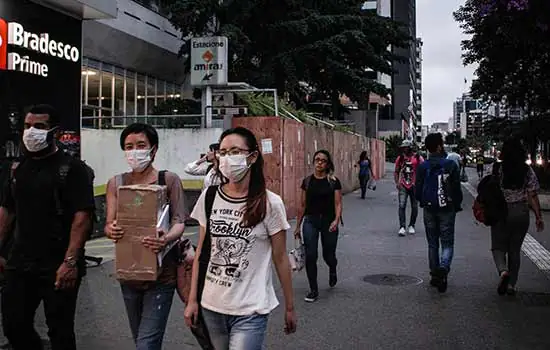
(14,34)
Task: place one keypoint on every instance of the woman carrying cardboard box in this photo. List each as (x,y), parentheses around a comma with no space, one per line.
(147,303)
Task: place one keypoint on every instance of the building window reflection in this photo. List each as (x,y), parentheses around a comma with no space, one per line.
(114,97)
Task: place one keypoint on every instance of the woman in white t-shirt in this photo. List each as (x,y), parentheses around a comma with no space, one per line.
(247,230)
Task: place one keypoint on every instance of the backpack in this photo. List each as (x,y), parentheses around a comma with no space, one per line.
(490,206)
(435,190)
(332,183)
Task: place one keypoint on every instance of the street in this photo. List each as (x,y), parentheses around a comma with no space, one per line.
(382,301)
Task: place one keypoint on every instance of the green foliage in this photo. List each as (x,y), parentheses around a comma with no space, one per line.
(178,107)
(393,142)
(330,45)
(511,44)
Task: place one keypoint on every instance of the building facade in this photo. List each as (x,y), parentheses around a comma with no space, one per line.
(40,62)
(130,64)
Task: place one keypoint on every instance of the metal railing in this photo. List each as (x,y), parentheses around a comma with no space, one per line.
(176,121)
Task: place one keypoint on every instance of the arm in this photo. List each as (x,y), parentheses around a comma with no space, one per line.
(111,204)
(80,194)
(338,205)
(177,209)
(533,187)
(397,171)
(197,168)
(7,206)
(301,210)
(195,270)
(280,260)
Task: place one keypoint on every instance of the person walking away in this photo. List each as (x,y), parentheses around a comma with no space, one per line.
(519,186)
(455,157)
(148,303)
(207,166)
(404,176)
(365,171)
(51,200)
(242,232)
(439,192)
(480,161)
(321,213)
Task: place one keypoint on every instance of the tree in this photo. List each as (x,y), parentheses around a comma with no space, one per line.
(393,143)
(329,45)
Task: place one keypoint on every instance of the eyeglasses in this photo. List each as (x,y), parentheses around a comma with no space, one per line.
(320,160)
(235,151)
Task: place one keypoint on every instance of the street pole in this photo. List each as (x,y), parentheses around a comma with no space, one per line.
(206,100)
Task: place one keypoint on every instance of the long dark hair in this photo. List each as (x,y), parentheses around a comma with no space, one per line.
(514,169)
(330,164)
(363,156)
(256,202)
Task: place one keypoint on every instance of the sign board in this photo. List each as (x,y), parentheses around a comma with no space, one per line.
(209,61)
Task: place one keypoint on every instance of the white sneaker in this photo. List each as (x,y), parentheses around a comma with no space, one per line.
(402,232)
(411,230)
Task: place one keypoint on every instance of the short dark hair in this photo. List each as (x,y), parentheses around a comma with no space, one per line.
(53,117)
(433,141)
(214,147)
(140,128)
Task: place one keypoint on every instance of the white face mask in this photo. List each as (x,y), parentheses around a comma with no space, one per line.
(234,167)
(35,140)
(138,159)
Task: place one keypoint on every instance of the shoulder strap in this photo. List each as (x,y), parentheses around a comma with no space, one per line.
(162,178)
(60,183)
(208,204)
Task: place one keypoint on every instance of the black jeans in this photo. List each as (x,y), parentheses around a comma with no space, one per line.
(21,297)
(363,182)
(313,227)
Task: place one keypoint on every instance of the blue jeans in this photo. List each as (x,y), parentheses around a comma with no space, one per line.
(235,332)
(405,194)
(440,230)
(148,312)
(315,226)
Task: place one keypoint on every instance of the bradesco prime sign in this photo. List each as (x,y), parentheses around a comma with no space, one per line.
(209,61)
(13,36)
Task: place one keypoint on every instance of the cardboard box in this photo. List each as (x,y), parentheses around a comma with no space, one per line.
(138,212)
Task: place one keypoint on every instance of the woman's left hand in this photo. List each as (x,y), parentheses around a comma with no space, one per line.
(333,226)
(156,244)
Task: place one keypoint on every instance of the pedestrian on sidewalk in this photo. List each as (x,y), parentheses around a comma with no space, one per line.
(480,161)
(439,192)
(365,172)
(207,166)
(405,175)
(147,303)
(51,200)
(519,185)
(243,231)
(321,213)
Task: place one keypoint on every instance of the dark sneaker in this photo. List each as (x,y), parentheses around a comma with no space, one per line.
(312,296)
(332,279)
(442,280)
(503,284)
(434,281)
(511,291)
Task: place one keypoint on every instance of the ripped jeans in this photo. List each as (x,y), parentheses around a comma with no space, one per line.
(148,311)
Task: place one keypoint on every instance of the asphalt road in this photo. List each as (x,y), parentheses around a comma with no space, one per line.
(399,311)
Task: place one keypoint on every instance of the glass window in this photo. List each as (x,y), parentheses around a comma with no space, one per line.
(170,88)
(130,93)
(161,91)
(151,94)
(119,93)
(140,95)
(107,94)
(93,86)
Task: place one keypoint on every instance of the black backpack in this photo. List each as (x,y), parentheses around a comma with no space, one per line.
(490,199)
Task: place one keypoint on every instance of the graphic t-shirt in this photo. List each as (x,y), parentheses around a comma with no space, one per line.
(407,166)
(239,277)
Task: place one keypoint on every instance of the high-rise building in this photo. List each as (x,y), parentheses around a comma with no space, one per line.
(417,100)
(402,118)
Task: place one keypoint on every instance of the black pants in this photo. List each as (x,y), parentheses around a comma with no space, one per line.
(312,229)
(21,297)
(363,182)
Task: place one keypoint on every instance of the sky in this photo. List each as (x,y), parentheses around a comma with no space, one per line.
(442,70)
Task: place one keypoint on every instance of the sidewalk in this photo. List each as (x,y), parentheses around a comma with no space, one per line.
(399,311)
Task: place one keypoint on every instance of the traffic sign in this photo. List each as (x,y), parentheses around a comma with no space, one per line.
(209,61)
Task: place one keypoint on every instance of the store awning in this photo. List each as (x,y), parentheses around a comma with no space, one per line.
(84,9)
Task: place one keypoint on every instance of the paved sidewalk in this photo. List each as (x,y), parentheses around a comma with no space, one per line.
(357,315)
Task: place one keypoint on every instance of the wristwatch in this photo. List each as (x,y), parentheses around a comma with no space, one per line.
(70,261)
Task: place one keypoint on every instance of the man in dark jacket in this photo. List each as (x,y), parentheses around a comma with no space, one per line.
(440,194)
